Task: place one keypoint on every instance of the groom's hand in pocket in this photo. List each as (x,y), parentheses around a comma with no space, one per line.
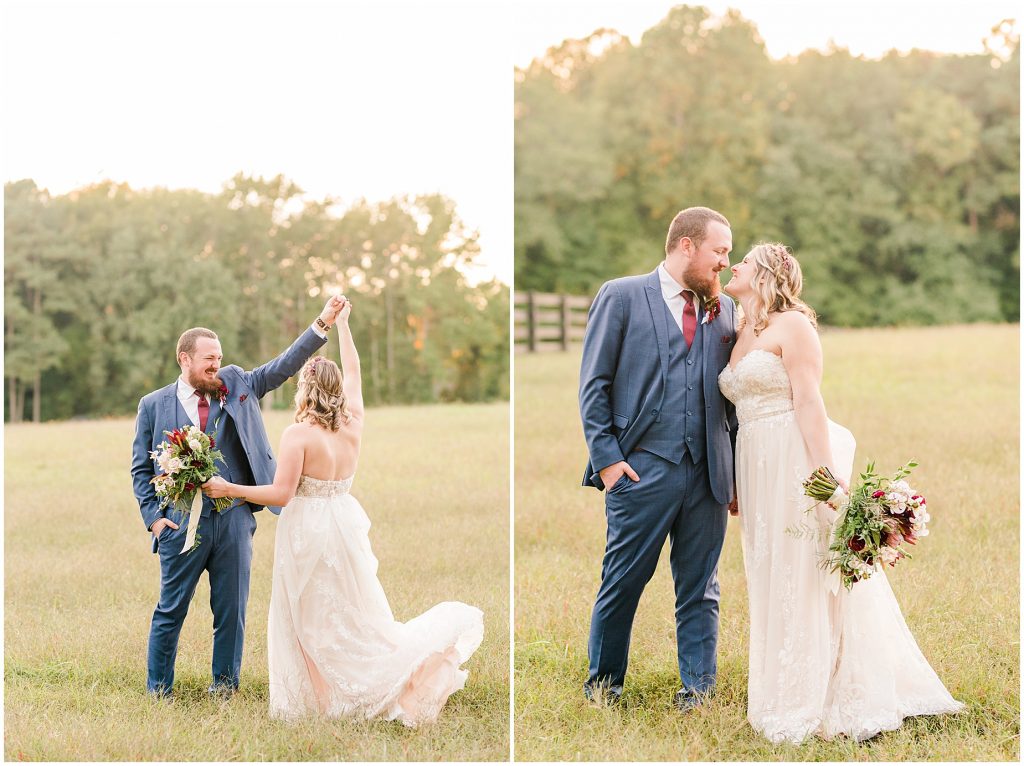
(612,473)
(159,524)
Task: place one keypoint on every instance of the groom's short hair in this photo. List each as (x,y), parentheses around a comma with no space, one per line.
(187,341)
(691,223)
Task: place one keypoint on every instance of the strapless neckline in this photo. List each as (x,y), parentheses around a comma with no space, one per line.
(758,385)
(734,367)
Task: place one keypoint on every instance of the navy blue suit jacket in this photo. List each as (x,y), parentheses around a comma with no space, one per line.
(623,377)
(158,413)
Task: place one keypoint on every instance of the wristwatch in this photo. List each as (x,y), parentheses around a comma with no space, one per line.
(322,324)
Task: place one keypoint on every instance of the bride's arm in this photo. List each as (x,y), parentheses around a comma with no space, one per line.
(290,456)
(801,354)
(352,383)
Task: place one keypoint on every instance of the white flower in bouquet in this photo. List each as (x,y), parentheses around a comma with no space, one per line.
(880,516)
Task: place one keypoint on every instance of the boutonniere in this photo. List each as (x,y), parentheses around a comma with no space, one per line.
(712,308)
(222,394)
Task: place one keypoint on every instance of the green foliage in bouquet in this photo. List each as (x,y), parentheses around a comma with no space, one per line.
(879,516)
(188,459)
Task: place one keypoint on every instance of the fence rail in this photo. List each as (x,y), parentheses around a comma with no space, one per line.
(548,321)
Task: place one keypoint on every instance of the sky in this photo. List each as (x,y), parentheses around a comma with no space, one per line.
(348,99)
(865,27)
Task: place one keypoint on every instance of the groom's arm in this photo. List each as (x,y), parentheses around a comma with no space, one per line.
(274,373)
(142,468)
(602,345)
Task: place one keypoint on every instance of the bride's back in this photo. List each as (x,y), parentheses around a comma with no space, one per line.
(331,455)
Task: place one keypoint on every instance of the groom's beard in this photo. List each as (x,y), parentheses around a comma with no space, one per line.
(701,284)
(205,387)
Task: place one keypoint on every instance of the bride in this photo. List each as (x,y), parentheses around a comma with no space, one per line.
(334,646)
(823,660)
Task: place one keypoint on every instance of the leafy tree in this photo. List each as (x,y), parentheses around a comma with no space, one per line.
(895,181)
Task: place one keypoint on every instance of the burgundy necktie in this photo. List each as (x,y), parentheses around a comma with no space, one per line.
(204,411)
(689,319)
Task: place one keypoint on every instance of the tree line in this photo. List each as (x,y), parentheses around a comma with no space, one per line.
(895,181)
(100,282)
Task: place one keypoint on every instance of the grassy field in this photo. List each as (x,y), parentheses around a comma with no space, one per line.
(945,396)
(81,585)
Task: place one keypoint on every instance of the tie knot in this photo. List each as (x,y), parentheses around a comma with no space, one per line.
(202,399)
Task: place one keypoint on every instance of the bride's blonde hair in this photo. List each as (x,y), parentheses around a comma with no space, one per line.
(776,283)
(320,398)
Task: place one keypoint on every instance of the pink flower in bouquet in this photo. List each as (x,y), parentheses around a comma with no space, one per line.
(878,518)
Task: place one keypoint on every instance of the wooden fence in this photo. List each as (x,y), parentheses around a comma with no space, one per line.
(548,322)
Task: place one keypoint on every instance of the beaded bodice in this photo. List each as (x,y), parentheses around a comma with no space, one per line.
(310,487)
(758,385)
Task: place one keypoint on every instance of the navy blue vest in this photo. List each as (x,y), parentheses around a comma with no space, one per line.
(680,425)
(235,465)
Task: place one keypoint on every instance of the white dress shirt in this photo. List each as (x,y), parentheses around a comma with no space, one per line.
(670,291)
(189,400)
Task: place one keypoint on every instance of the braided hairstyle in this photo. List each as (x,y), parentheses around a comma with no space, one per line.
(777,283)
(320,398)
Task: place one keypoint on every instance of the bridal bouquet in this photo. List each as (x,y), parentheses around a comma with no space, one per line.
(187,460)
(878,517)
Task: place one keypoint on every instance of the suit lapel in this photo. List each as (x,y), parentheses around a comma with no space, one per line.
(705,339)
(656,303)
(230,403)
(213,415)
(168,417)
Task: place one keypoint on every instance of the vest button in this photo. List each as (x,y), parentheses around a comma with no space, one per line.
(654,412)
(689,361)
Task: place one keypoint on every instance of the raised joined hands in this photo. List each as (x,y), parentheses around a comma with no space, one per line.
(337,308)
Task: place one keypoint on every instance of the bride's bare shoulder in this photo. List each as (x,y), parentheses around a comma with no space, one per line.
(794,326)
(300,432)
(792,319)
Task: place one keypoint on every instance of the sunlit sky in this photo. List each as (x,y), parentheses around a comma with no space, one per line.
(865,27)
(347,99)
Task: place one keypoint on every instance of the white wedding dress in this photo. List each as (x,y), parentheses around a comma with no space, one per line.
(823,660)
(334,647)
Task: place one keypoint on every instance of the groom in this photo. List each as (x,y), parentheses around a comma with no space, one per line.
(223,402)
(660,437)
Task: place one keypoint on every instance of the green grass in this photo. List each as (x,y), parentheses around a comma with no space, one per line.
(947,397)
(81,585)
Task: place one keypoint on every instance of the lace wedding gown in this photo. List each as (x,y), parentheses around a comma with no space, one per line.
(823,660)
(334,646)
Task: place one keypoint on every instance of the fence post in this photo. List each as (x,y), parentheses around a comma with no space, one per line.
(531,322)
(565,321)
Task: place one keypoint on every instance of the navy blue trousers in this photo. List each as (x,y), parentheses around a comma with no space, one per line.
(226,553)
(673,501)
